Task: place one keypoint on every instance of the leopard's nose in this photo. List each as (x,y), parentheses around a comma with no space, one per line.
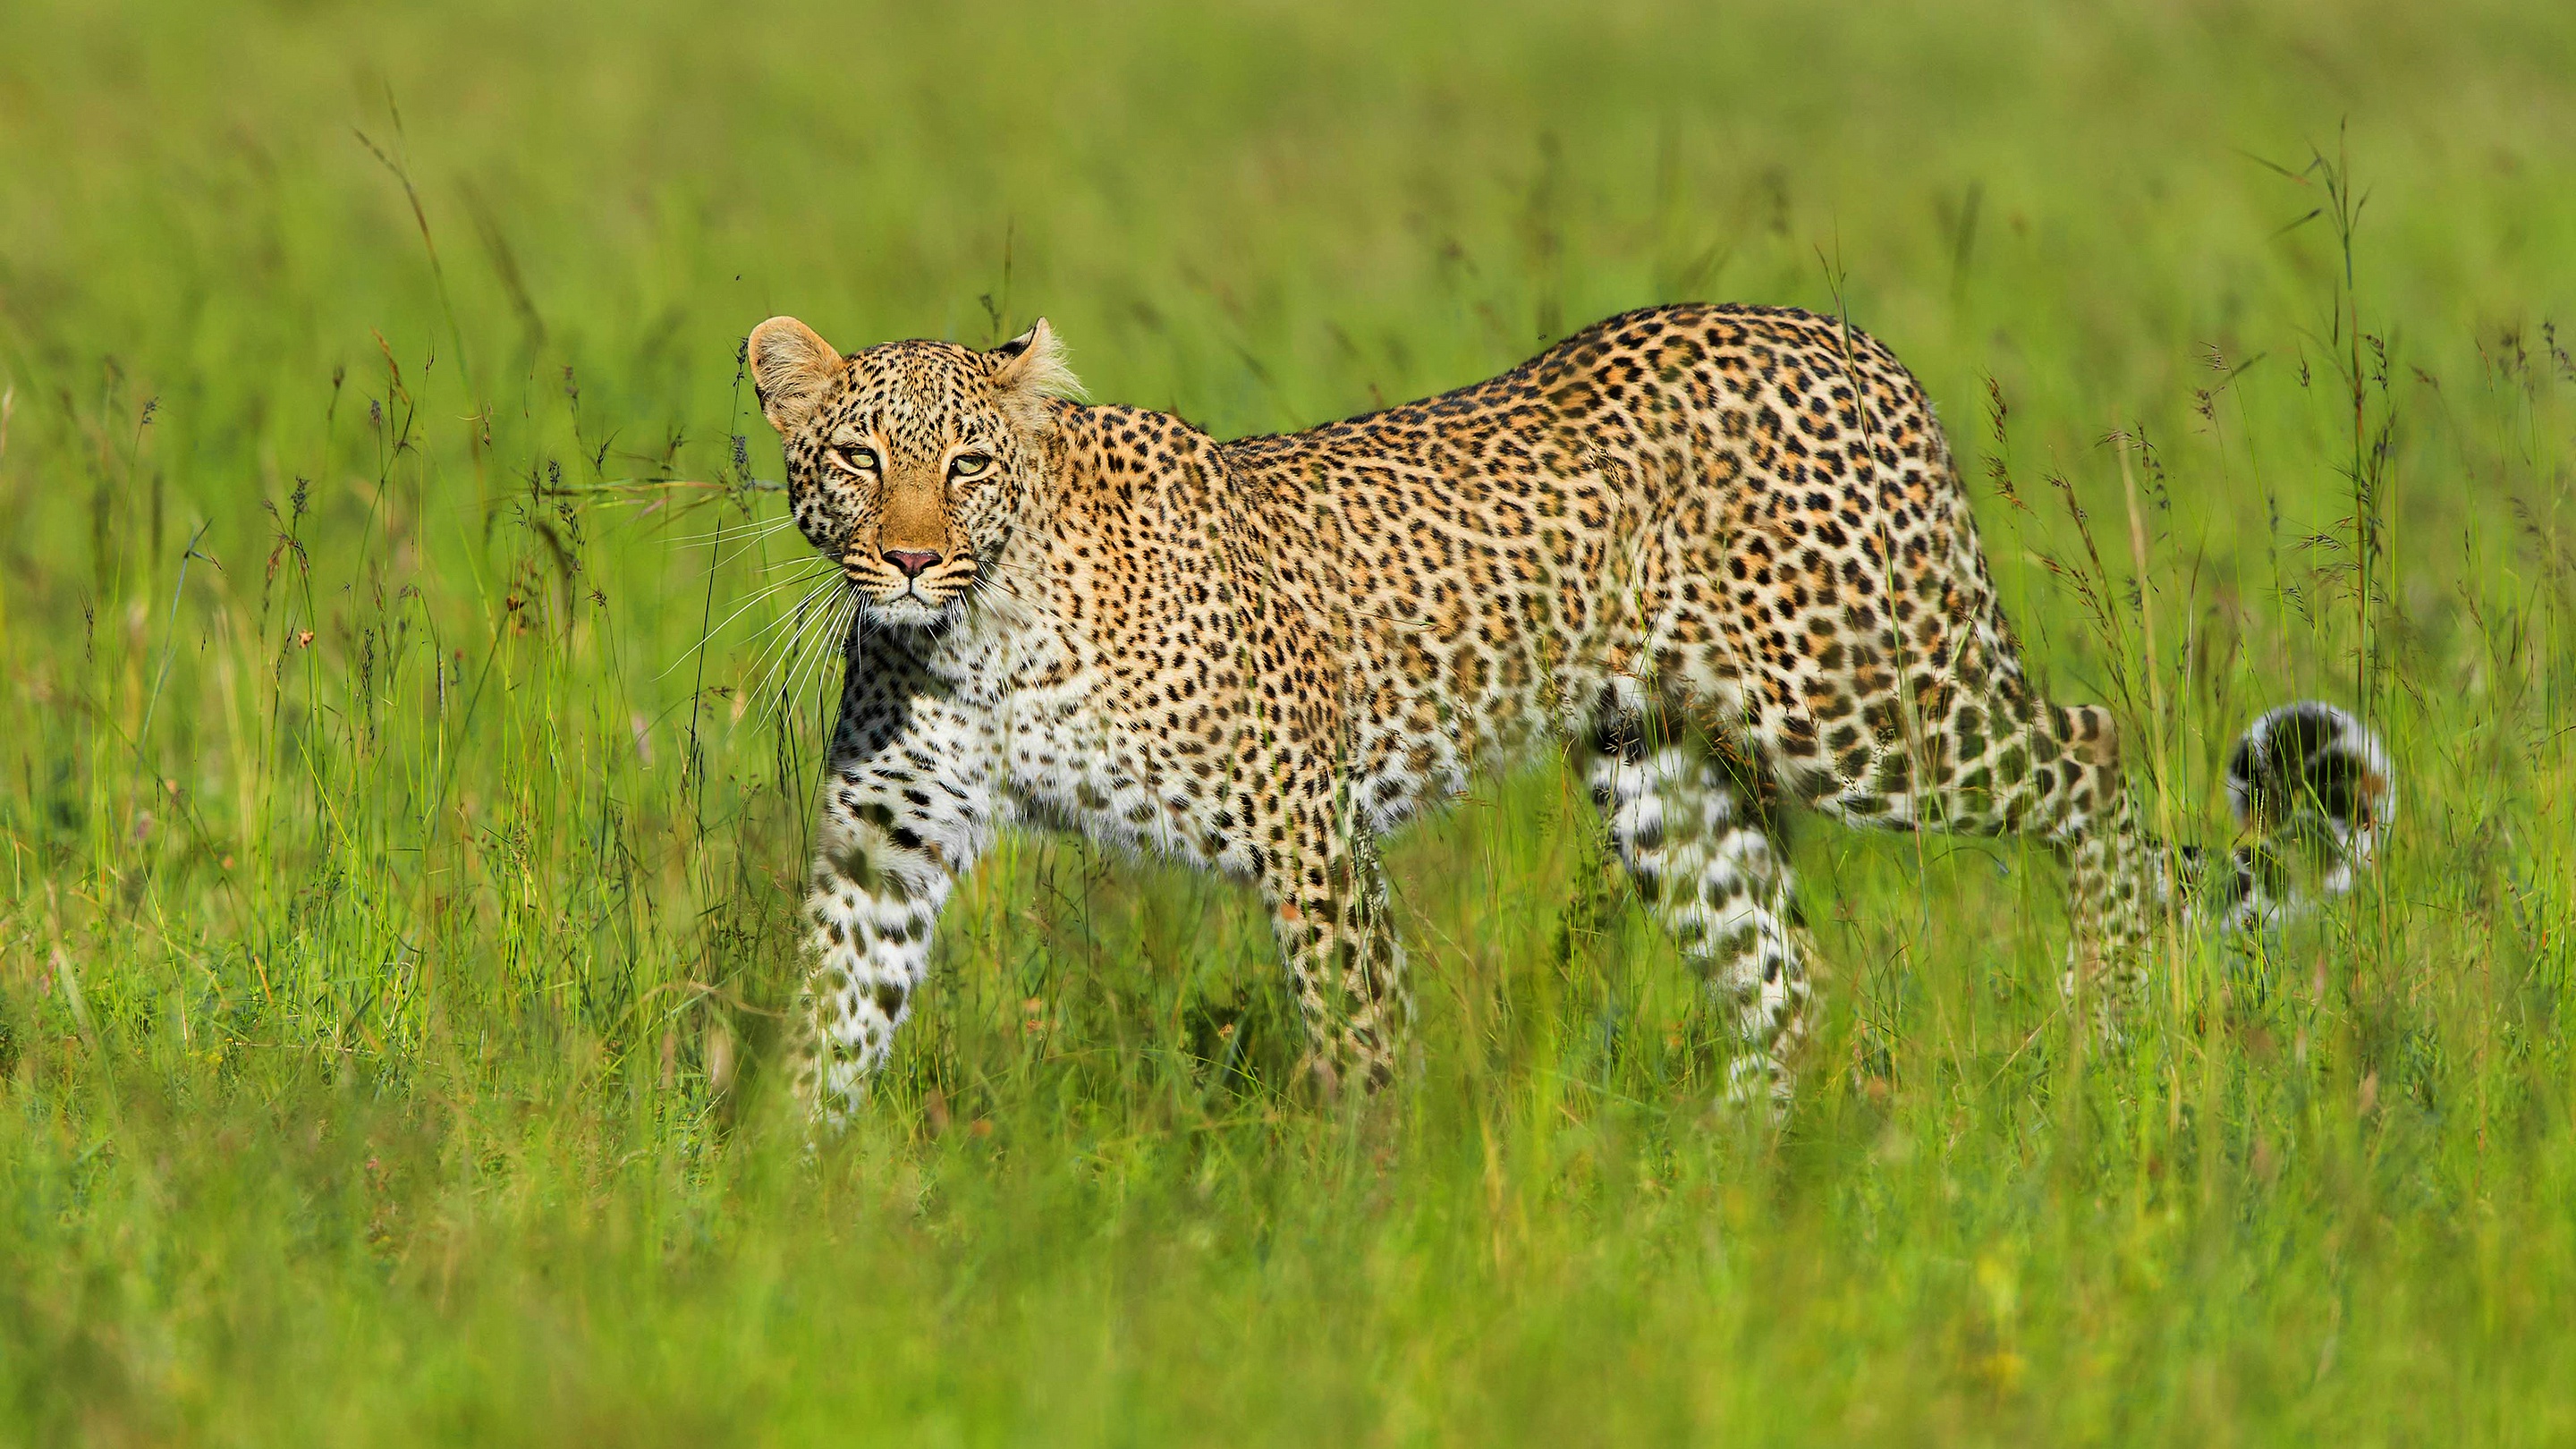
(911,562)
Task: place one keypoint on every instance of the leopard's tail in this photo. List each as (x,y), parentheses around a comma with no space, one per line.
(2313,793)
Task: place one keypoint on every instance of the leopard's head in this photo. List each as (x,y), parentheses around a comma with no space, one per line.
(910,463)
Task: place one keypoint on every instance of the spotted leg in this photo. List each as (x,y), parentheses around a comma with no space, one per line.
(1997,760)
(2026,766)
(1706,855)
(907,808)
(1328,905)
(2117,889)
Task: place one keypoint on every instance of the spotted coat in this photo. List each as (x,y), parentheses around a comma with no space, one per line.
(1721,553)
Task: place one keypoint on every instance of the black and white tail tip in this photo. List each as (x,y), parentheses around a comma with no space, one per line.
(2314,788)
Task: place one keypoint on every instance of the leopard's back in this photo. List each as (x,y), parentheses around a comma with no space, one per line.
(1749,508)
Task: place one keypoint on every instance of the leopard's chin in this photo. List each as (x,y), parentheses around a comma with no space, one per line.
(910,611)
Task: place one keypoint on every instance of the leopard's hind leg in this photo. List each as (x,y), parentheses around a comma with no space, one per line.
(1984,755)
(1699,836)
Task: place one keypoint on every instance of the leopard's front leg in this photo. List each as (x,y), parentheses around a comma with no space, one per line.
(1328,905)
(907,807)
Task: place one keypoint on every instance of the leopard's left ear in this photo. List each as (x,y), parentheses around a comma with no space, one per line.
(1029,369)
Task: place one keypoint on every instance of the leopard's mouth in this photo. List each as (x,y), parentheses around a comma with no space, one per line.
(921,601)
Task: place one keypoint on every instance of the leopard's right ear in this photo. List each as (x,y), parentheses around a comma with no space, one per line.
(792,369)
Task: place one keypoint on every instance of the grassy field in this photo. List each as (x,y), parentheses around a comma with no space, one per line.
(402,814)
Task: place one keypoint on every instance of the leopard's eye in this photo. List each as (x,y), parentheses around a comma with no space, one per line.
(970,465)
(861,461)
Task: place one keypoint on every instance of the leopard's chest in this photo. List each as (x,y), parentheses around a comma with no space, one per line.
(1082,747)
(1075,760)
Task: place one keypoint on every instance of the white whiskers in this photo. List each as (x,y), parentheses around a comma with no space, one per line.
(805,652)
(811,579)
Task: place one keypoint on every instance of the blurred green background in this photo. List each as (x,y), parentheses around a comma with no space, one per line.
(405,779)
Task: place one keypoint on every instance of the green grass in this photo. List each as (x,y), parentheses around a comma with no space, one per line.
(399,871)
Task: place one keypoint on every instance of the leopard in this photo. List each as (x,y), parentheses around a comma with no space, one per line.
(1716,558)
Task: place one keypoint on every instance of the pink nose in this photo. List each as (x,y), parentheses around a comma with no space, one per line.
(910,562)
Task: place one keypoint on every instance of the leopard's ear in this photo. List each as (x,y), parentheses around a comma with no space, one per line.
(1029,369)
(792,369)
